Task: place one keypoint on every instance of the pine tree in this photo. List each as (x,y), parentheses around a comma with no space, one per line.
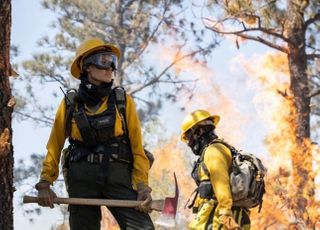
(6,106)
(291,27)
(133,26)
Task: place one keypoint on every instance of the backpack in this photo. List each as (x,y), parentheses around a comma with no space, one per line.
(246,178)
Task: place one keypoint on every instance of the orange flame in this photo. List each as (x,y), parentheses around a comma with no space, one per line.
(290,187)
(270,77)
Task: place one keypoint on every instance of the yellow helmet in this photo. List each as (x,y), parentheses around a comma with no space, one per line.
(194,118)
(88,47)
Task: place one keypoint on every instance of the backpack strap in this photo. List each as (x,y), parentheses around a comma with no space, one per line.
(70,108)
(120,96)
(233,150)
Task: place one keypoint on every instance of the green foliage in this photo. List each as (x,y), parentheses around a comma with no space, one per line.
(133,26)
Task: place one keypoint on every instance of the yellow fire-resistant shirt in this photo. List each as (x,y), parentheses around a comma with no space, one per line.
(50,169)
(217,159)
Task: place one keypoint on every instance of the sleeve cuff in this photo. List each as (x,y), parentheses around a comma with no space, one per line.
(46,178)
(225,212)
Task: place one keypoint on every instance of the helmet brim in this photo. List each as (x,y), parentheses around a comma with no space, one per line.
(215,119)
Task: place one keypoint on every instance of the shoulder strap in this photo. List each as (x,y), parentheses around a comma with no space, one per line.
(120,96)
(233,150)
(70,107)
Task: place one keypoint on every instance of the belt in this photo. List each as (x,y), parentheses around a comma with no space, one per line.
(115,152)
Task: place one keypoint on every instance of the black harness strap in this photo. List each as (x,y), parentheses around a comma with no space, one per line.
(70,102)
(102,174)
(83,124)
(120,97)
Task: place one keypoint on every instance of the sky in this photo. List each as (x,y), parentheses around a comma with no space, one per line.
(30,22)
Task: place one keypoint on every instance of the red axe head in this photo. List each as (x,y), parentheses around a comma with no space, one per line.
(168,214)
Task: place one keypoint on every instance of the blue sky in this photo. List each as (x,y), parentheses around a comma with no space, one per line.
(30,22)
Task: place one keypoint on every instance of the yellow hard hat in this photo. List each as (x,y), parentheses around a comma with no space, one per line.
(88,47)
(194,118)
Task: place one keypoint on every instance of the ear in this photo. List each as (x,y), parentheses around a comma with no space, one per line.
(88,69)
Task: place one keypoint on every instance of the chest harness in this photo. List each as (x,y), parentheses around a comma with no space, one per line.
(99,144)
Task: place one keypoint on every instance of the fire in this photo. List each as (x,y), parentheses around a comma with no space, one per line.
(171,158)
(269,76)
(208,95)
(290,172)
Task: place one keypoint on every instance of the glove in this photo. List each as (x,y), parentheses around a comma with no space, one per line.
(45,194)
(229,223)
(144,194)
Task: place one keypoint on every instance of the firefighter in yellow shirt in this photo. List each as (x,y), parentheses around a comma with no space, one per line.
(213,201)
(106,159)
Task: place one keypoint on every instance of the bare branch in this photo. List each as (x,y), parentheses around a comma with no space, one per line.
(143,100)
(47,121)
(316,93)
(129,3)
(177,82)
(249,37)
(157,78)
(312,20)
(264,41)
(146,43)
(268,31)
(283,93)
(312,56)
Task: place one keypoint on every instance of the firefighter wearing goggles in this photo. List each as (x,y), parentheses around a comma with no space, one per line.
(213,200)
(105,159)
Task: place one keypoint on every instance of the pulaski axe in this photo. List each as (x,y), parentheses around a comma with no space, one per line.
(167,207)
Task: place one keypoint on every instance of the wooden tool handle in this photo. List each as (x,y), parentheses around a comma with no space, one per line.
(156,205)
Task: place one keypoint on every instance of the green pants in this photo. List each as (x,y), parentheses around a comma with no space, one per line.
(82,178)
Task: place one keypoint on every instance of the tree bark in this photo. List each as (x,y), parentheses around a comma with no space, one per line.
(6,150)
(299,86)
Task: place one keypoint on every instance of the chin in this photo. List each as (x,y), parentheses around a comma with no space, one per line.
(108,81)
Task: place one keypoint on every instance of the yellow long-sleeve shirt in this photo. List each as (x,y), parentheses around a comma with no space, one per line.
(217,158)
(50,169)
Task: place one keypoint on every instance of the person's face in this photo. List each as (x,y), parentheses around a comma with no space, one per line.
(195,132)
(98,76)
(100,67)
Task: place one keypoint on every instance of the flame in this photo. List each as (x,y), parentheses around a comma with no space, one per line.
(269,76)
(171,158)
(290,184)
(208,95)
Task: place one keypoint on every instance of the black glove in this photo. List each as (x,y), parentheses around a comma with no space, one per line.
(144,194)
(45,194)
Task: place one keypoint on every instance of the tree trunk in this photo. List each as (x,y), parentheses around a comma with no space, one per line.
(6,150)
(301,155)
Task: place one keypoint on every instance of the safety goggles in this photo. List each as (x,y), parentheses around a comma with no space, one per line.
(101,60)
